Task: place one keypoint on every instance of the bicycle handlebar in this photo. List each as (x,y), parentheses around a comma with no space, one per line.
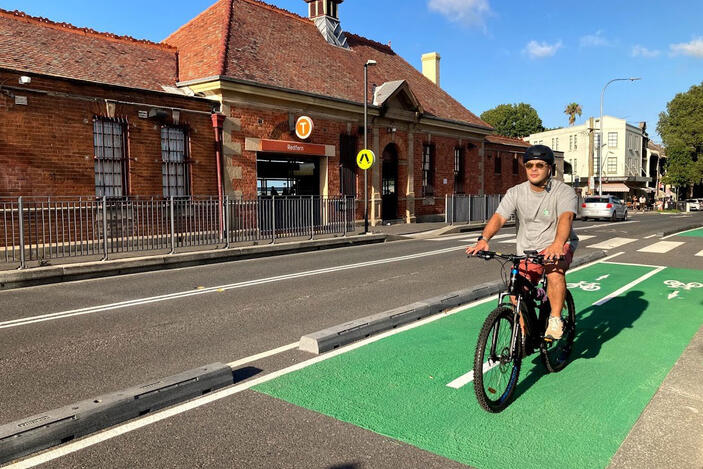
(529,255)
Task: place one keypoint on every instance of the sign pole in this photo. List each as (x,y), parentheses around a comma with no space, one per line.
(366,186)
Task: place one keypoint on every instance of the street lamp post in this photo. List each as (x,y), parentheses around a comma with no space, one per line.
(600,132)
(366,142)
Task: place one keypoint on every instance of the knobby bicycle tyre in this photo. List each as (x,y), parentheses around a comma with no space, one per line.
(555,356)
(488,383)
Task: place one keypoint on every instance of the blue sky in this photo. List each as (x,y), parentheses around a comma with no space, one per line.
(545,53)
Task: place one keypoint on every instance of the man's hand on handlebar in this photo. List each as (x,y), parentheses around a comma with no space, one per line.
(554,252)
(481,245)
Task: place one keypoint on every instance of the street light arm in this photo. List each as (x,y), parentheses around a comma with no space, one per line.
(600,131)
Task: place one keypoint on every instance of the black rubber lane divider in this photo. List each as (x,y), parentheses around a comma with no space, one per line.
(59,426)
(348,332)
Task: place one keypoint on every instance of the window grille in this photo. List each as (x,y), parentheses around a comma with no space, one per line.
(174,157)
(109,144)
(458,170)
(427,170)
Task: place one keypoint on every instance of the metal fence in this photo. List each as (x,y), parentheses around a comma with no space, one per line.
(43,228)
(470,208)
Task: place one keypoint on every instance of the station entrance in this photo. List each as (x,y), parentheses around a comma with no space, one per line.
(281,174)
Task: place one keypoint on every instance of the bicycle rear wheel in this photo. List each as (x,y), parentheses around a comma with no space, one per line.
(495,371)
(555,355)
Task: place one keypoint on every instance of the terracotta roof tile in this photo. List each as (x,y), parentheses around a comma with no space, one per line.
(38,45)
(502,139)
(272,46)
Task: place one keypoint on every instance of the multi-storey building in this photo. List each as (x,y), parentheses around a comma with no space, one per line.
(623,152)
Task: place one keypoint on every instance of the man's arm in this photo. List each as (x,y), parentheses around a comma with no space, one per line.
(492,227)
(556,249)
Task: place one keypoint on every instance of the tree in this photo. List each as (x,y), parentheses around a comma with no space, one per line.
(572,110)
(514,120)
(681,129)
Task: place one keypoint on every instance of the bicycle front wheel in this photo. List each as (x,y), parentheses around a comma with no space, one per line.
(555,355)
(496,368)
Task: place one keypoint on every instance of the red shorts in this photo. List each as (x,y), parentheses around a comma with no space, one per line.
(534,271)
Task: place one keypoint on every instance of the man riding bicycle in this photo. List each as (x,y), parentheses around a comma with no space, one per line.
(545,209)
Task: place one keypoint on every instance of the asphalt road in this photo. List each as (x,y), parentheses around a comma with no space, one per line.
(262,304)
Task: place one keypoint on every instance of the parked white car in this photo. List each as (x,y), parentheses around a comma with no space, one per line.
(694,205)
(606,206)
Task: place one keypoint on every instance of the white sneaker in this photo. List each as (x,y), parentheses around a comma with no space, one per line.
(555,328)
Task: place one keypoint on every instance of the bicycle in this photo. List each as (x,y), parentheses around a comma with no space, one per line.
(501,346)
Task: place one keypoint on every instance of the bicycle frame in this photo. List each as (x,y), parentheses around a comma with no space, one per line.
(524,291)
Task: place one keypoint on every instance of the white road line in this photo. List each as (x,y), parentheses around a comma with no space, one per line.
(468,377)
(605,224)
(138,423)
(259,356)
(585,237)
(650,236)
(611,243)
(605,299)
(681,232)
(700,254)
(629,263)
(661,247)
(468,238)
(217,289)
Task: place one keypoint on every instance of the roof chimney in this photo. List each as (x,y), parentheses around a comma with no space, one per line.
(325,14)
(430,66)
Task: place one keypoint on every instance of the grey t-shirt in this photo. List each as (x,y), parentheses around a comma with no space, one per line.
(538,213)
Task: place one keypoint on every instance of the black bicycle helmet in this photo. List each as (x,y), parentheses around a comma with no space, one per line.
(539,152)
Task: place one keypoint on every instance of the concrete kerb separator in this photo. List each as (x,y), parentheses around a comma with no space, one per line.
(59,426)
(70,272)
(348,332)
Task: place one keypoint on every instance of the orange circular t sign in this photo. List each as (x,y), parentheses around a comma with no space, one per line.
(303,127)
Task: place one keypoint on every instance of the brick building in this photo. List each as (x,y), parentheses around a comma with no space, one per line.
(140,123)
(71,127)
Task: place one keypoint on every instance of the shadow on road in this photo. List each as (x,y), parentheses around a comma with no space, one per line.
(352,465)
(595,326)
(243,374)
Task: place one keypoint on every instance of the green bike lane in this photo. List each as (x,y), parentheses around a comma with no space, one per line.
(624,348)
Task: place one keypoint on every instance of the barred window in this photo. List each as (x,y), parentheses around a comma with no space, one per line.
(458,170)
(427,170)
(174,167)
(498,163)
(109,144)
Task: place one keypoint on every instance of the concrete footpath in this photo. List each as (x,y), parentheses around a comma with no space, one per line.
(78,269)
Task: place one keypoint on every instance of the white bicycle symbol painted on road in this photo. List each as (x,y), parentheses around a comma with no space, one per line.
(685,286)
(586,286)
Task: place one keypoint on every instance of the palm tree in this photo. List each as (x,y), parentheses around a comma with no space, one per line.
(572,110)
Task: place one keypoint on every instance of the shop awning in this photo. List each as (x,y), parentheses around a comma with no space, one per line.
(615,187)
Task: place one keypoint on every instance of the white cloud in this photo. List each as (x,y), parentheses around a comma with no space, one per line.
(641,51)
(693,48)
(540,50)
(595,40)
(467,12)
